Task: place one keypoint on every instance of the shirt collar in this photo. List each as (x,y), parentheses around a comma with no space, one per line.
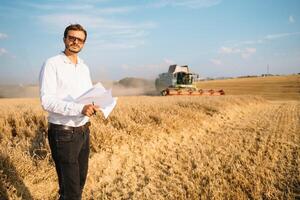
(67,60)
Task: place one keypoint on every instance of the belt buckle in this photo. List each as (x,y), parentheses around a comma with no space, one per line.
(67,128)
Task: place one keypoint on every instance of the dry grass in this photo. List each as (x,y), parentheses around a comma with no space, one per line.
(229,147)
(272,87)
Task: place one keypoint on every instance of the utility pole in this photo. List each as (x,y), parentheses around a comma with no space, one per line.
(268,69)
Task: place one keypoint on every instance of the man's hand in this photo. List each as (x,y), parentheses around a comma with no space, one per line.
(90,110)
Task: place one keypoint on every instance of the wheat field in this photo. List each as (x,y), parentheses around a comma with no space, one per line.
(227,147)
(270,87)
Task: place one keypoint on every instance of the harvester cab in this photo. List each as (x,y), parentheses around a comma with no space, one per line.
(179,81)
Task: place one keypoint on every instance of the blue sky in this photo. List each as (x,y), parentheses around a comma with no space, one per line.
(141,38)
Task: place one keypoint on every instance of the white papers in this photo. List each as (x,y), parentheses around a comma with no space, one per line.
(100,97)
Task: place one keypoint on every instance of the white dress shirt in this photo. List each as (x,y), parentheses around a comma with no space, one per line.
(61,82)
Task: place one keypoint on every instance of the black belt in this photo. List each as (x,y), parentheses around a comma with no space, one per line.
(82,128)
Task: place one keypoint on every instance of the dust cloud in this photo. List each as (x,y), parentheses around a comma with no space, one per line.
(19,91)
(123,87)
(134,87)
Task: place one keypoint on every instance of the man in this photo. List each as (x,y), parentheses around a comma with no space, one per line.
(62,79)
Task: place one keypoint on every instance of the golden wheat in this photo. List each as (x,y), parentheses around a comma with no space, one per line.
(227,147)
(272,87)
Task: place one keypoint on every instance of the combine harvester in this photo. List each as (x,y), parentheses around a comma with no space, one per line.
(179,81)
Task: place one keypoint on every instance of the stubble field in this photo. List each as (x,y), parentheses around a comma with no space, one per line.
(227,147)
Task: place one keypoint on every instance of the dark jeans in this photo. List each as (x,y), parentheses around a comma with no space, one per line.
(70,152)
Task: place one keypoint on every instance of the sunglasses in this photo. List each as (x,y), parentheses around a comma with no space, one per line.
(73,39)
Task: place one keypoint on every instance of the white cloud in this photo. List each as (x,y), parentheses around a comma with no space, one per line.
(90,8)
(237,44)
(280,35)
(262,40)
(60,21)
(94,22)
(225,50)
(3,51)
(59,6)
(194,4)
(116,10)
(250,42)
(248,52)
(92,5)
(93,1)
(169,61)
(291,19)
(244,53)
(112,45)
(134,33)
(99,26)
(216,61)
(235,47)
(229,50)
(103,32)
(3,35)
(125,66)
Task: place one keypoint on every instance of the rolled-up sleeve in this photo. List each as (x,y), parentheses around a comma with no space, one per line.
(49,100)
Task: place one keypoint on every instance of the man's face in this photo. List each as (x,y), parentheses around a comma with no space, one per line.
(74,41)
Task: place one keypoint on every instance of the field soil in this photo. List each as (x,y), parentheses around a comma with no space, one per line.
(226,147)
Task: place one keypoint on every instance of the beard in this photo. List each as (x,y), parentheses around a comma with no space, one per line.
(69,47)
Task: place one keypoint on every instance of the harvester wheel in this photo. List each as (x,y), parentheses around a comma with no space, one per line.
(164,93)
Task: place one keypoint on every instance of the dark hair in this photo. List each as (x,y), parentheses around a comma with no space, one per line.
(75,27)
